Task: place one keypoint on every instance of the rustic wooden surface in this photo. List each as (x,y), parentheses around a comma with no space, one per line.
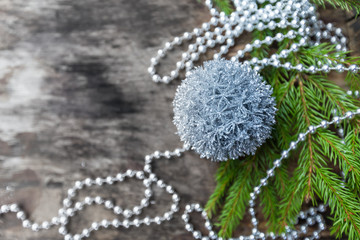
(76,101)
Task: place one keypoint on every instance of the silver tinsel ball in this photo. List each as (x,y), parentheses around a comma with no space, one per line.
(224,110)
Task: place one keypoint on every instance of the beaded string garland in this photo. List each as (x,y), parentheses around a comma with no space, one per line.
(298,14)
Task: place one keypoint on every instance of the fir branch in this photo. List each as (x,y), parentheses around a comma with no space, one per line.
(302,100)
(224,5)
(290,205)
(237,199)
(269,203)
(225,176)
(343,203)
(347,5)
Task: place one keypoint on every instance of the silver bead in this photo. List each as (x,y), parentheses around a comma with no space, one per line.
(321,208)
(45,225)
(4,209)
(109,180)
(208,225)
(26,224)
(127,213)
(197,207)
(287,65)
(55,220)
(95,225)
(13,208)
(61,211)
(197,31)
(202,49)
(353,68)
(187,35)
(169,189)
(79,206)
(340,68)
(105,223)
(336,120)
(175,198)
(136,222)
(88,200)
(147,221)
(99,181)
(148,193)
(292,145)
(156,78)
(63,220)
(120,177)
(299,67)
(67,202)
(167,215)
(68,237)
(137,210)
(279,37)
(263,181)
(161,53)
(98,200)
(151,70)
(85,232)
(62,230)
(214,21)
(174,208)
(117,210)
(35,227)
(312,69)
(324,124)
(270,172)
(210,43)
(109,204)
(310,221)
(277,163)
(144,202)
(115,223)
(312,129)
(77,237)
(177,41)
(189,227)
(166,79)
(79,185)
(284,154)
(155,61)
(197,235)
(230,42)
(200,40)
(189,65)
(21,215)
(157,220)
(325,68)
(349,114)
(70,212)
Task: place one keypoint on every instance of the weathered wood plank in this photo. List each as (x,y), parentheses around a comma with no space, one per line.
(76,101)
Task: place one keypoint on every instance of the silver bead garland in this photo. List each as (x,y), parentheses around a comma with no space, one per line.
(69,208)
(297,14)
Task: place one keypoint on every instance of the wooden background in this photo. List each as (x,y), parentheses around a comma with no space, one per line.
(76,101)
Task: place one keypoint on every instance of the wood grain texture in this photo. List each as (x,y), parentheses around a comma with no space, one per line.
(76,101)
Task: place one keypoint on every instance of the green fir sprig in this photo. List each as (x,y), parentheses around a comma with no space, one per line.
(312,172)
(347,5)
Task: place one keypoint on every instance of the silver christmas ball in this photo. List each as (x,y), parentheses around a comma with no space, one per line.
(224,110)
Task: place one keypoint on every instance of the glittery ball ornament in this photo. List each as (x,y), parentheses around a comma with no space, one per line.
(224,110)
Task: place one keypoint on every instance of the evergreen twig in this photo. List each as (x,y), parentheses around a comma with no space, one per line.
(312,172)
